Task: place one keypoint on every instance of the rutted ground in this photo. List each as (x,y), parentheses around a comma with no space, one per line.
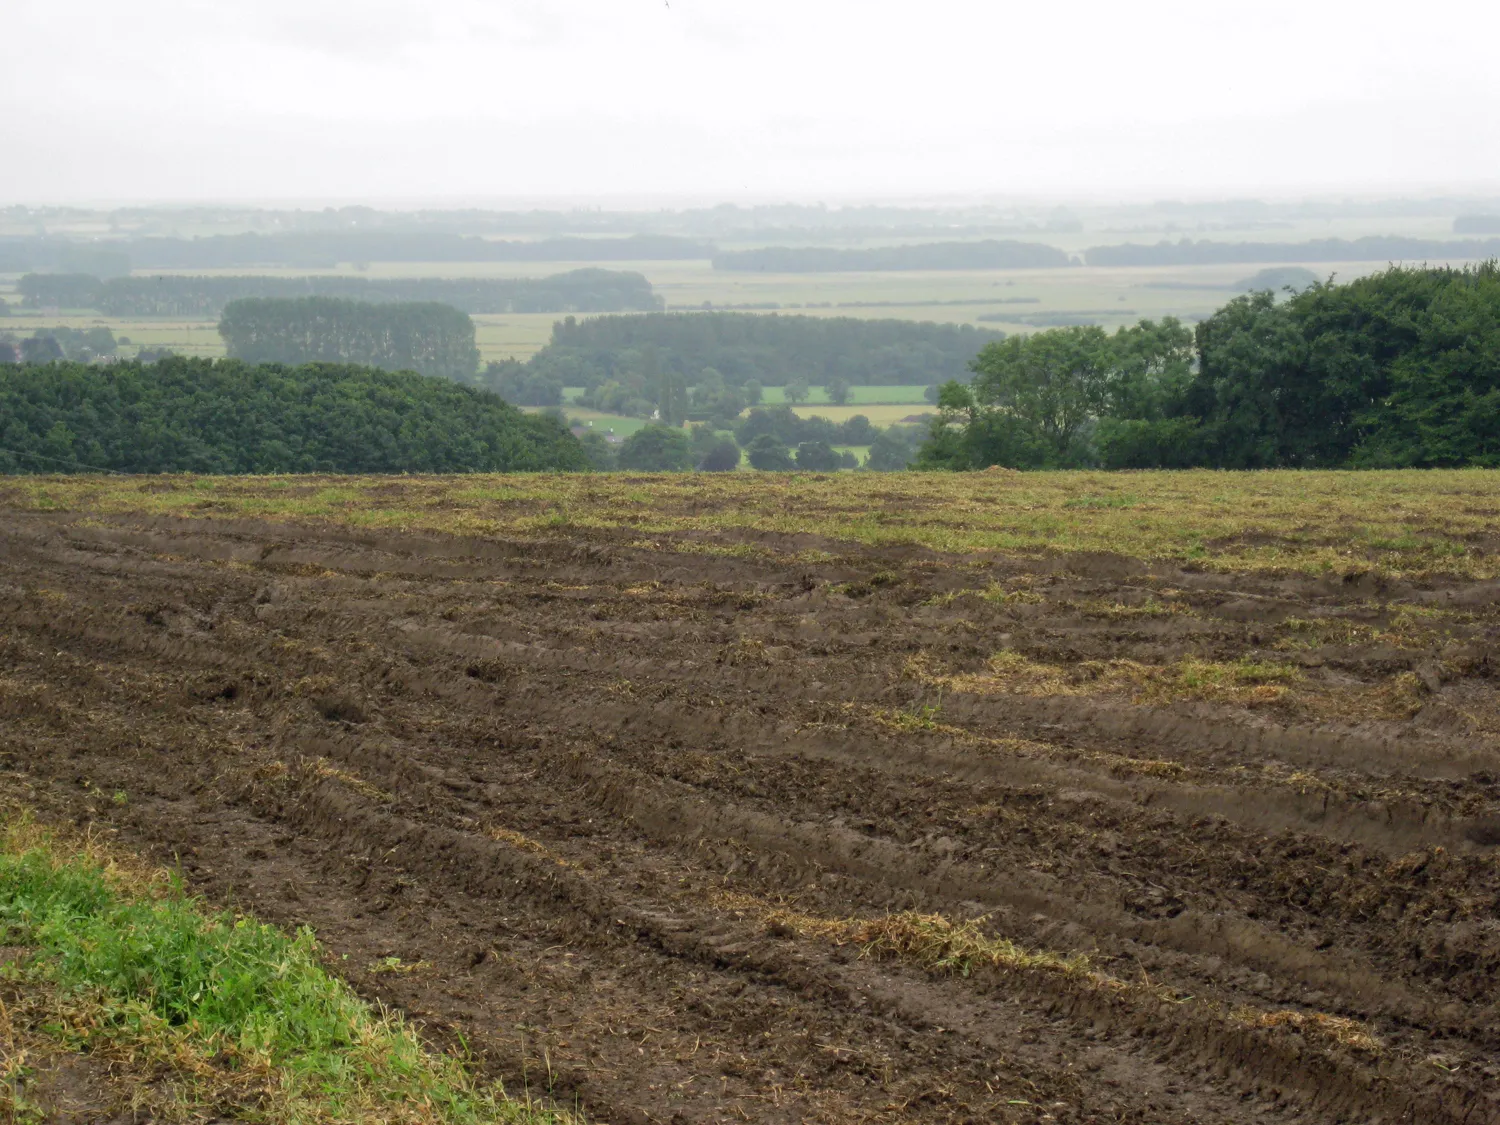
(890,836)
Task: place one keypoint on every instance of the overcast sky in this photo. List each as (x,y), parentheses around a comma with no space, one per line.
(474,100)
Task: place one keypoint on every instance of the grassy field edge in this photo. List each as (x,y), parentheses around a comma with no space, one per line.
(197,1011)
(1411,523)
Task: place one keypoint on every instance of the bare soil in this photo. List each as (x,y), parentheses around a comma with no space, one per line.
(557,800)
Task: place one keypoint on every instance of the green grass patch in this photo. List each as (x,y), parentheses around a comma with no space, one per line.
(912,394)
(1125,501)
(232,1015)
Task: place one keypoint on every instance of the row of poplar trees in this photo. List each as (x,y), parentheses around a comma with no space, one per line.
(426,337)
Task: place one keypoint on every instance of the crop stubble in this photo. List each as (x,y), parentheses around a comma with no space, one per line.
(824,832)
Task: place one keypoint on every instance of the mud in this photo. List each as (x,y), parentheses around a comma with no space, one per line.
(548,796)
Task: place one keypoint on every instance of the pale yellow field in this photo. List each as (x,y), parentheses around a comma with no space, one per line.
(1022,298)
(880,415)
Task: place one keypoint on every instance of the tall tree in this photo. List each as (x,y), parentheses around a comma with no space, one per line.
(656,449)
(1053,382)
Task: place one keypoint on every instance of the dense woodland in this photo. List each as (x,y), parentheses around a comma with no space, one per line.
(63,255)
(633,364)
(425,337)
(586,290)
(192,415)
(1398,369)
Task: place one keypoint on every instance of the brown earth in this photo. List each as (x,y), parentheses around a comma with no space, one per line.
(660,833)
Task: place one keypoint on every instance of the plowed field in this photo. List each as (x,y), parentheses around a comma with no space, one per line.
(818,831)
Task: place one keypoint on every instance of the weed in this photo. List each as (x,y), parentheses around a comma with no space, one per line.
(909,718)
(1000,595)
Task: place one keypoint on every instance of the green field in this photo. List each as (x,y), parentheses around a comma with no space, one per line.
(618,424)
(878,415)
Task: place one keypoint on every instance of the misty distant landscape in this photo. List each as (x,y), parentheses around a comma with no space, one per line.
(707,562)
(824,333)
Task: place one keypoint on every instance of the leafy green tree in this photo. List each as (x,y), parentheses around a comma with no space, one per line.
(41,349)
(838,391)
(709,388)
(1252,390)
(1053,382)
(753,392)
(817,457)
(892,450)
(722,456)
(715,400)
(1436,401)
(1150,443)
(516,382)
(1151,368)
(797,390)
(856,430)
(967,435)
(656,449)
(600,454)
(769,455)
(1143,425)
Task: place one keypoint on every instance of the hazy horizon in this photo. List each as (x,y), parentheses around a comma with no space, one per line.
(586,101)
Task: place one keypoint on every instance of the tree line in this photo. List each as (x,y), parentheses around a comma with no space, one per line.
(771,440)
(426,337)
(54,254)
(633,364)
(991,254)
(45,345)
(1398,369)
(313,249)
(1372,248)
(585,290)
(224,416)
